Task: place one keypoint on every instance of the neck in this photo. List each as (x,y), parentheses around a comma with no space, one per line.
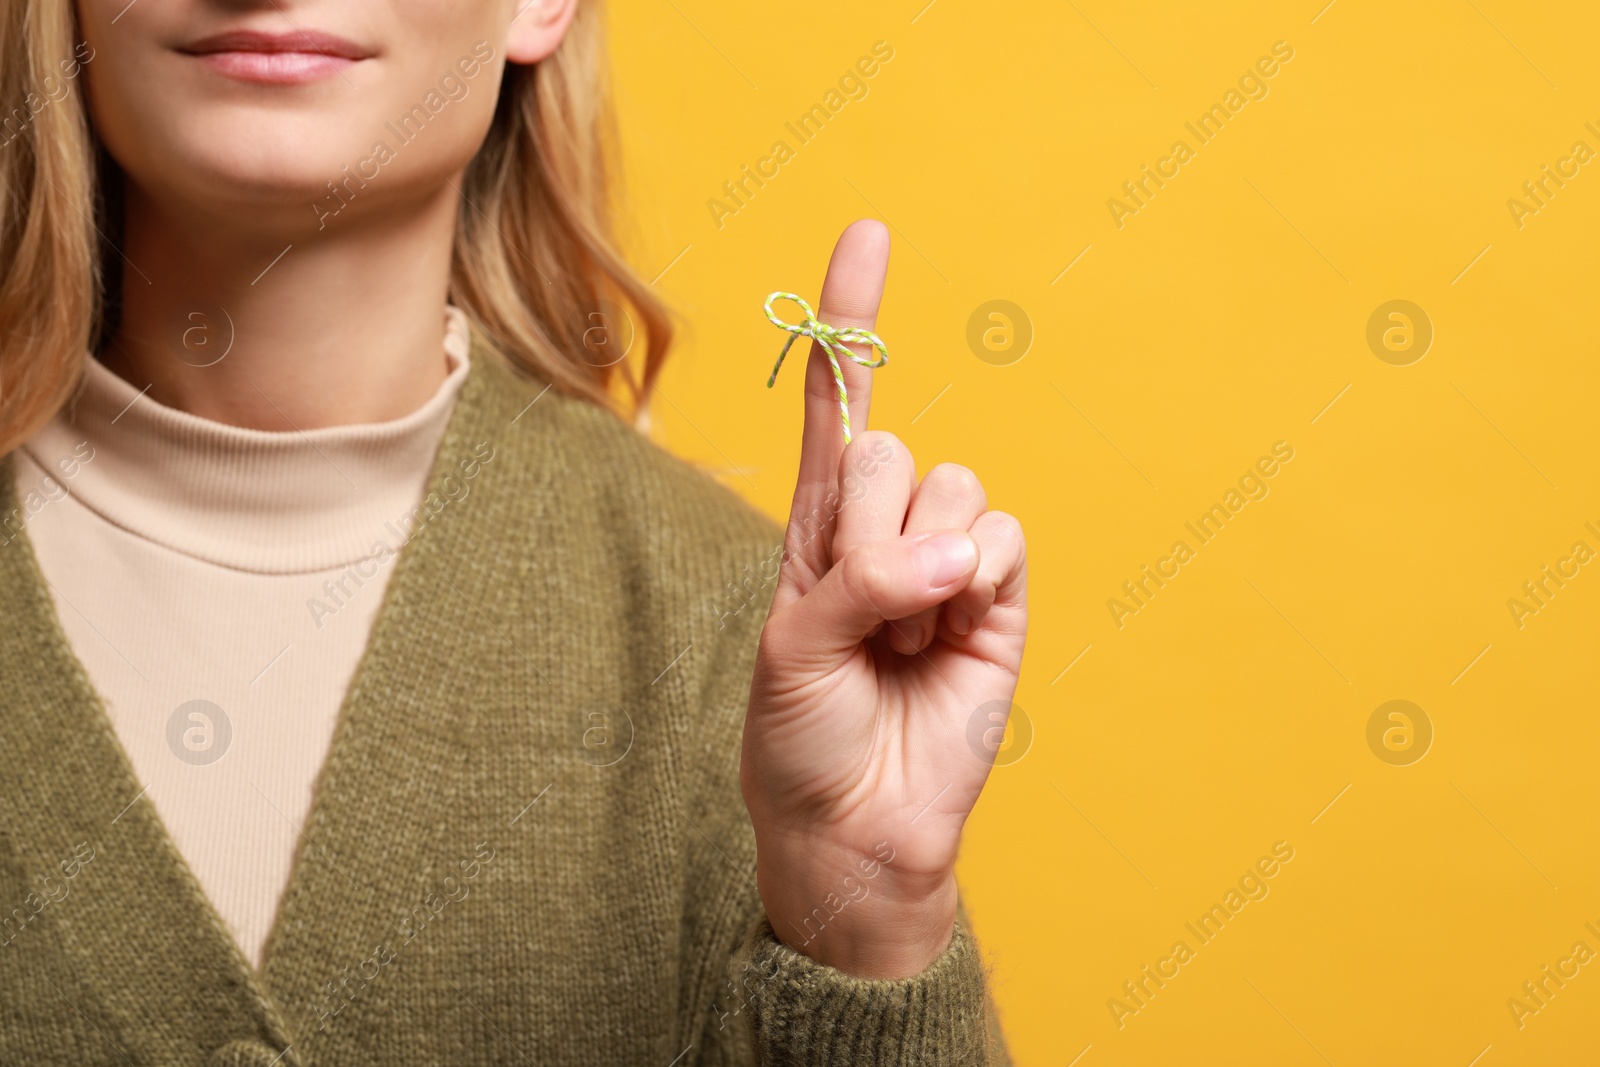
(341,328)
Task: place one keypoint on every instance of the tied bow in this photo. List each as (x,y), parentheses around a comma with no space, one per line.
(833,341)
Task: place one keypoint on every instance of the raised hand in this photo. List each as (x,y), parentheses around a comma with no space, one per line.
(900,614)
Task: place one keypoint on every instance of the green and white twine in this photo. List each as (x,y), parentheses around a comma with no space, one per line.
(833,341)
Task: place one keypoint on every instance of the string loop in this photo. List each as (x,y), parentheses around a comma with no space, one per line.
(833,340)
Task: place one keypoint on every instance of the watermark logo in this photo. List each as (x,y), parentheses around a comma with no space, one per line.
(1399,333)
(199,732)
(201,335)
(999,333)
(999,732)
(605,734)
(608,333)
(1399,733)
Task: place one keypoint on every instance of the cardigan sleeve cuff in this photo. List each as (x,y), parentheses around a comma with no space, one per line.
(807,1014)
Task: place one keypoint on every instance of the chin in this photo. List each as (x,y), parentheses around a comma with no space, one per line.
(252,167)
(254,160)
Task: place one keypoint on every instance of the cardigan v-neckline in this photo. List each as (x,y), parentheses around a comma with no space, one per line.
(364,775)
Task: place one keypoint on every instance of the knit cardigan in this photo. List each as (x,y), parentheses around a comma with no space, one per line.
(527,843)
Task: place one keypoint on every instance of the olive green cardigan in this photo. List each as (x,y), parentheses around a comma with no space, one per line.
(527,844)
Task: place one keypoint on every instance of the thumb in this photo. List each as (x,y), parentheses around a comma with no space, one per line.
(874,583)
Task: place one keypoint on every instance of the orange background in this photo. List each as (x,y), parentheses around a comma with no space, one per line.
(1230,312)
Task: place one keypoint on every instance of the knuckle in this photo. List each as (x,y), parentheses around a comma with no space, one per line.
(1008,528)
(957,481)
(877,448)
(872,454)
(864,573)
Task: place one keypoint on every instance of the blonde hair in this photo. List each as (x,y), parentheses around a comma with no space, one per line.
(535,256)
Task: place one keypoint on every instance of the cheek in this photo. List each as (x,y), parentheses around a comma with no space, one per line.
(432,117)
(431,98)
(129,93)
(435,38)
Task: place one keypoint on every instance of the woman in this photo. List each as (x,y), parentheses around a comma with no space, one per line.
(376,700)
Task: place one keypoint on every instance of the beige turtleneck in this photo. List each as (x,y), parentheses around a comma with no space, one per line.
(218,585)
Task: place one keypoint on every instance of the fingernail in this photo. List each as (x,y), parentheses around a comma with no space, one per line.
(943,558)
(958,619)
(912,636)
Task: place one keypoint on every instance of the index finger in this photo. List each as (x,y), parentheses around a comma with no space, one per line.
(851,293)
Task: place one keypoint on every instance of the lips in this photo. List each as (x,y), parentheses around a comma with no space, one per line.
(291,58)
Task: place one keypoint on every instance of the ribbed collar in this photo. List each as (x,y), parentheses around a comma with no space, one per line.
(265,501)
